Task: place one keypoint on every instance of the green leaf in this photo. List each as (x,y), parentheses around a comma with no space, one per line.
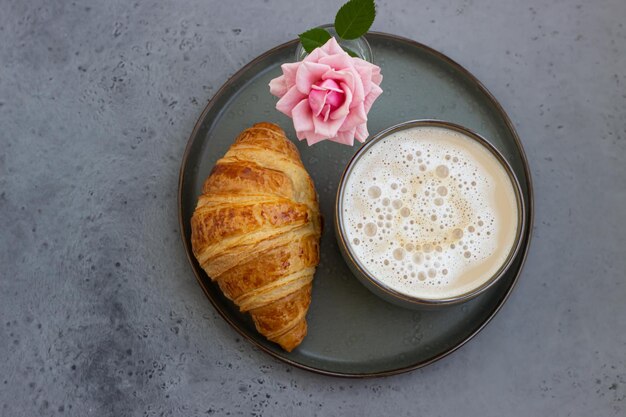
(355,18)
(314,38)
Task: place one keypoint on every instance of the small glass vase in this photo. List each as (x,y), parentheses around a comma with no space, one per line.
(359,46)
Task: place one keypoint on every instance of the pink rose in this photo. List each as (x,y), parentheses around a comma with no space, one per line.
(328,94)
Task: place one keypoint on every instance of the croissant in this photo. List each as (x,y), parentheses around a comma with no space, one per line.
(256,232)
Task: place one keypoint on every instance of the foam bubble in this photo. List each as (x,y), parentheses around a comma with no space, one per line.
(442,171)
(374,191)
(398,254)
(370,229)
(418,258)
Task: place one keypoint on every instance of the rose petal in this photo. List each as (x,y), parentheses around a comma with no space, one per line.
(377,77)
(345,137)
(335,99)
(317,101)
(358,92)
(352,79)
(302,117)
(328,84)
(289,100)
(278,86)
(327,128)
(332,47)
(358,62)
(308,74)
(361,132)
(373,95)
(315,55)
(312,138)
(365,72)
(344,109)
(338,61)
(326,112)
(356,117)
(364,67)
(343,76)
(289,70)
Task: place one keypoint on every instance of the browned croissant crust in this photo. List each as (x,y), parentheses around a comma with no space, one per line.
(256,232)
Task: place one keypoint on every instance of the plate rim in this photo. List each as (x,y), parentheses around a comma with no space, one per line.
(395,371)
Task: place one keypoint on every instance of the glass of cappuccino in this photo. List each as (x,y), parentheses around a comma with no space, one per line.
(429,214)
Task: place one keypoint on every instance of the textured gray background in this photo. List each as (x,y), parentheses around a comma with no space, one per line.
(100,313)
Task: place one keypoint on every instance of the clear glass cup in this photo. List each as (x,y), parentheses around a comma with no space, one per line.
(359,46)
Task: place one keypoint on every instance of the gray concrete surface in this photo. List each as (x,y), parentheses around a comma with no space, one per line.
(100,314)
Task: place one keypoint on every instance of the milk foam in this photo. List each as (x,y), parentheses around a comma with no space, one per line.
(430,212)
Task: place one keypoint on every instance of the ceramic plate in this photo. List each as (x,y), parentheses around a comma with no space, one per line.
(351,331)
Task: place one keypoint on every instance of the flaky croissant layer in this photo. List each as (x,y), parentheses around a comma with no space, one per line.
(256,232)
